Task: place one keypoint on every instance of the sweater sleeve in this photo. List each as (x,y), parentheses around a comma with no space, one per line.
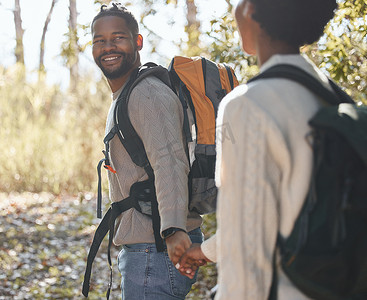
(247,210)
(156,114)
(209,248)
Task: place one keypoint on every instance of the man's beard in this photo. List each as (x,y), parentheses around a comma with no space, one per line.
(125,66)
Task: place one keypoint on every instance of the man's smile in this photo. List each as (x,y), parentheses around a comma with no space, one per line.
(111,59)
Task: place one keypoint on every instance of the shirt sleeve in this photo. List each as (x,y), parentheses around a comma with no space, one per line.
(209,248)
(157,116)
(247,210)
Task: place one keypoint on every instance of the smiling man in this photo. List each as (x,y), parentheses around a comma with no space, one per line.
(116,45)
(156,114)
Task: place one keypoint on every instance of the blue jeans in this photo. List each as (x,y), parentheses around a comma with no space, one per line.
(150,275)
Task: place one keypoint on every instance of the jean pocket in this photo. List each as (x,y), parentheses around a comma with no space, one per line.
(139,248)
(180,285)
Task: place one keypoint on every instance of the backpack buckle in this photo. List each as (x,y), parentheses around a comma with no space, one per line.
(109,168)
(107,162)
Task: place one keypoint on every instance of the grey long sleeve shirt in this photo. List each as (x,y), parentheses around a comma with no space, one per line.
(157,116)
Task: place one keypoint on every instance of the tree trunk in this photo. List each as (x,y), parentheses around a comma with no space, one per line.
(41,67)
(74,59)
(19,32)
(192,29)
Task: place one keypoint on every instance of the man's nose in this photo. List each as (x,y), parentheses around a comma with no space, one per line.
(109,45)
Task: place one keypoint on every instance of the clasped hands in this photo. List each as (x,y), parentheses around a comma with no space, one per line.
(185,256)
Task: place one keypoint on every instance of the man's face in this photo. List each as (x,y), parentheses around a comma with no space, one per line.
(115,47)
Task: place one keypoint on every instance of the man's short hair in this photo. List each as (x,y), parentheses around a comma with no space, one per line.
(296,22)
(117,10)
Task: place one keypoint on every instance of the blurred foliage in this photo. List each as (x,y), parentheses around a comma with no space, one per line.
(50,139)
(225,46)
(341,52)
(71,47)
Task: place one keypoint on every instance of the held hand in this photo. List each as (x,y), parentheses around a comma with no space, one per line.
(177,244)
(191,260)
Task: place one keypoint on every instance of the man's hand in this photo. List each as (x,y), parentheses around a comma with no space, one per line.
(191,260)
(177,244)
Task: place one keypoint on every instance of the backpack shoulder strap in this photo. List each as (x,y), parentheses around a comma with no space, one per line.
(131,140)
(125,130)
(295,73)
(230,76)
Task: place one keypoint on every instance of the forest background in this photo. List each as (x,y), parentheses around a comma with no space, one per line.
(51,131)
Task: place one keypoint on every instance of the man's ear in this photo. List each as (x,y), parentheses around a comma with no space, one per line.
(139,42)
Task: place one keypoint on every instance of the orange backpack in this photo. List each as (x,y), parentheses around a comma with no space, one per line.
(201,85)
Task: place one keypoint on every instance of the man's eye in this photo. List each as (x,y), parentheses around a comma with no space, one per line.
(98,41)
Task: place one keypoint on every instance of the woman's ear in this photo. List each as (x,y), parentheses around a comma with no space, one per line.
(247,26)
(249,9)
(139,42)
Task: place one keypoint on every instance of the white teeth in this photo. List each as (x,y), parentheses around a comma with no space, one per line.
(110,58)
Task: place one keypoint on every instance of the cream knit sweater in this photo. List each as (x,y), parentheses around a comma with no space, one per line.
(156,114)
(263,174)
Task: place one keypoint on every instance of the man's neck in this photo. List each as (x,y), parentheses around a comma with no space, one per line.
(116,84)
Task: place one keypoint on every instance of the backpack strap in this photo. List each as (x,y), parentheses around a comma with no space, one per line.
(122,124)
(131,140)
(183,95)
(125,130)
(213,87)
(142,191)
(295,73)
(230,76)
(106,161)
